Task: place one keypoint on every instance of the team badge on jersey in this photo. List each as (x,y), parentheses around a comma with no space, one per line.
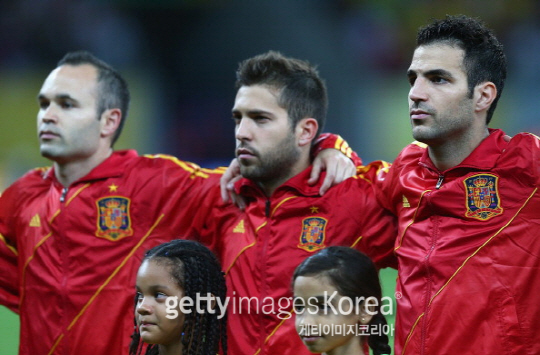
(113,222)
(483,200)
(312,237)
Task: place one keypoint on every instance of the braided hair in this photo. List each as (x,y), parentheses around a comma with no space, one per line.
(197,271)
(354,275)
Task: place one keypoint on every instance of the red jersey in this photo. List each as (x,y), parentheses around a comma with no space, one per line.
(260,247)
(468,249)
(70,256)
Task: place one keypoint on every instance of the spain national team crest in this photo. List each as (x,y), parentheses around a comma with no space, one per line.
(114,222)
(483,200)
(312,237)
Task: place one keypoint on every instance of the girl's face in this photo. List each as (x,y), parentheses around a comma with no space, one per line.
(324,326)
(154,285)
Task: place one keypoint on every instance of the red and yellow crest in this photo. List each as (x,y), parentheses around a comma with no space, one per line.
(113,222)
(312,237)
(482,199)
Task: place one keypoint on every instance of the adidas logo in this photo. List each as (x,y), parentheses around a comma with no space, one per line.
(239,227)
(406,202)
(35,221)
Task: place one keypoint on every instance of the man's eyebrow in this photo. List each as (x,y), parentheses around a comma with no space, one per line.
(433,72)
(253,112)
(439,72)
(57,97)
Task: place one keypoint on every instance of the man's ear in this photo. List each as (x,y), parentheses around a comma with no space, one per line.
(306,129)
(110,121)
(484,94)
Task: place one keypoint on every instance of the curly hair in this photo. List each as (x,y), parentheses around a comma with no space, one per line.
(197,271)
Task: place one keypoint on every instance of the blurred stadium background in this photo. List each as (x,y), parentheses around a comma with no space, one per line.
(180,57)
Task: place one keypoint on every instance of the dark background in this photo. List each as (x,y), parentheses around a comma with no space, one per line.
(180,59)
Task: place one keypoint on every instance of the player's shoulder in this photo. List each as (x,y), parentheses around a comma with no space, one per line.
(525,139)
(412,152)
(371,171)
(166,161)
(39,175)
(33,181)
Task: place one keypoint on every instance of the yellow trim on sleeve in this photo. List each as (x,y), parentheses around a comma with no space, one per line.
(192,168)
(338,143)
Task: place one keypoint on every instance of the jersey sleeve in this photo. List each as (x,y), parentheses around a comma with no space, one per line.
(379,225)
(9,276)
(334,141)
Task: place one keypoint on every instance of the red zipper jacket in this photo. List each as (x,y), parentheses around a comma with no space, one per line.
(261,246)
(468,249)
(69,257)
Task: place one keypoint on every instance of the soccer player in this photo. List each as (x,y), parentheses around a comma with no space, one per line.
(72,236)
(279,109)
(468,205)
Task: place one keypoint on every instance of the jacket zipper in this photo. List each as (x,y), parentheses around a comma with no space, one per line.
(439,182)
(263,273)
(64,260)
(267,209)
(64,193)
(429,285)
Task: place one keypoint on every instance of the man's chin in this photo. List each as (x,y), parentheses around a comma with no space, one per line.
(421,134)
(247,171)
(51,154)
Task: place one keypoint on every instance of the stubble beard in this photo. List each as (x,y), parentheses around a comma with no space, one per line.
(274,165)
(444,126)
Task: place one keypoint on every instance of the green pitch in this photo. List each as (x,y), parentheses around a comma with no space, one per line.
(9,332)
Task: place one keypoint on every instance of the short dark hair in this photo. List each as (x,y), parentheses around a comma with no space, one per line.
(113,90)
(301,91)
(484,58)
(354,275)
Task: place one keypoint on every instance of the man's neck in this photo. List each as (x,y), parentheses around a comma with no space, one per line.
(270,186)
(69,172)
(454,151)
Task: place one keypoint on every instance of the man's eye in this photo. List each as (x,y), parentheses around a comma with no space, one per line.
(67,104)
(439,80)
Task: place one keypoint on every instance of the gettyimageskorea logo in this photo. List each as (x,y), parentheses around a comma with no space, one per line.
(283,307)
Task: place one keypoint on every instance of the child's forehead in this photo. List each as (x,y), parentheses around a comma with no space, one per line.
(313,285)
(156,270)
